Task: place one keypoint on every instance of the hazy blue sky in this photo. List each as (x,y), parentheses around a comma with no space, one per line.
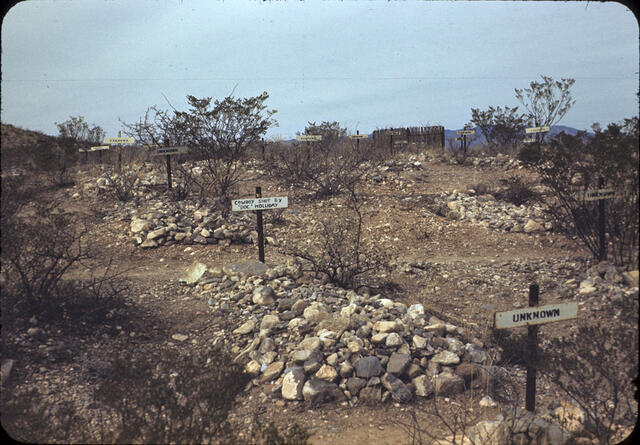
(366,64)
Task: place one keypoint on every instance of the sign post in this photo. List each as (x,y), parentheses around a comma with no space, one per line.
(532,317)
(536,131)
(99,149)
(119,141)
(309,137)
(168,152)
(259,204)
(357,137)
(600,195)
(464,134)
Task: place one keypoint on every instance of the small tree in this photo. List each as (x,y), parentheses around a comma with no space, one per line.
(572,164)
(220,135)
(502,129)
(547,102)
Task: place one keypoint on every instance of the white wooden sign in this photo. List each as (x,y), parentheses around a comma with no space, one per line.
(99,147)
(595,195)
(119,140)
(535,315)
(528,141)
(537,130)
(393,132)
(243,205)
(358,136)
(309,137)
(466,132)
(167,151)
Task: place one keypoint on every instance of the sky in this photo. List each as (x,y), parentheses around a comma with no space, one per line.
(366,64)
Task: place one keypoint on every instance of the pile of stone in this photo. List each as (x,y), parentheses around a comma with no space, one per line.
(607,281)
(564,424)
(187,226)
(392,168)
(500,160)
(486,211)
(319,343)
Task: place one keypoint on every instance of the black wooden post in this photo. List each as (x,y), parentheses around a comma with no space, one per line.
(602,254)
(169,172)
(262,146)
(119,153)
(358,141)
(260,229)
(532,352)
(391,140)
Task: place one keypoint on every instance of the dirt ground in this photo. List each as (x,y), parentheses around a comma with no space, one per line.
(455,286)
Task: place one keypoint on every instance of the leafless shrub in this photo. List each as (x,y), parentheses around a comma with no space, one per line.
(328,167)
(38,257)
(338,250)
(122,186)
(170,396)
(27,418)
(569,165)
(596,366)
(517,190)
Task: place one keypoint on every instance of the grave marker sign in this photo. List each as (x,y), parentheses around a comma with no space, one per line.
(531,317)
(168,152)
(258,204)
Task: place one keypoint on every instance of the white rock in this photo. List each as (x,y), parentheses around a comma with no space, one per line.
(246,328)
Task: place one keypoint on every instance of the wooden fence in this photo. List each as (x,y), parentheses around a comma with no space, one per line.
(430,136)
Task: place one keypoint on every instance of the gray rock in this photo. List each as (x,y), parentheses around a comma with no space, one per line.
(371,394)
(393,340)
(490,431)
(368,367)
(246,328)
(355,384)
(149,244)
(398,363)
(292,384)
(272,372)
(446,358)
(446,384)
(193,273)
(158,233)
(269,321)
(423,386)
(263,295)
(397,388)
(248,268)
(318,391)
(139,225)
(327,373)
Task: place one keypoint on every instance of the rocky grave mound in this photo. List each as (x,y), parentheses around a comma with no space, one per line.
(319,343)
